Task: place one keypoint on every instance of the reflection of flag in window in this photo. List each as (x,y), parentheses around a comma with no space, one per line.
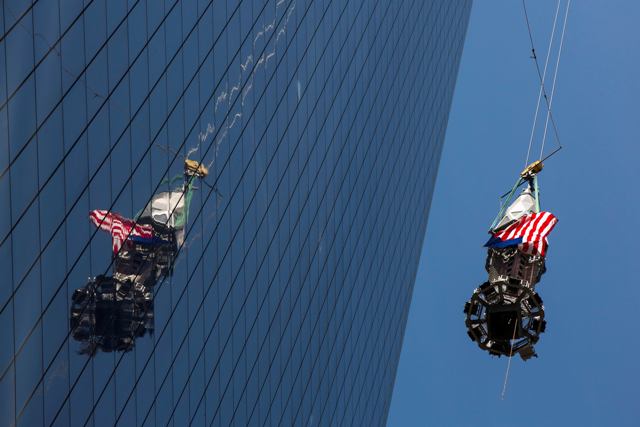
(529,233)
(120,228)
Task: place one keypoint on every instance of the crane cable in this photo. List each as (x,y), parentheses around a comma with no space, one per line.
(541,76)
(542,92)
(506,374)
(549,117)
(555,76)
(513,339)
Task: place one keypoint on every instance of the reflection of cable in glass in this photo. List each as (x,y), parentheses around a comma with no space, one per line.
(227,96)
(80,76)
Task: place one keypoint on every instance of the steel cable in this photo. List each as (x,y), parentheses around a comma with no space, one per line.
(555,77)
(544,75)
(534,56)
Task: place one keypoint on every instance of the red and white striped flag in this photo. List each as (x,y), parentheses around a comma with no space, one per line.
(529,233)
(119,227)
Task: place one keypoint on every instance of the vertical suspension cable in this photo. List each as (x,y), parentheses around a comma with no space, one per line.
(555,76)
(544,75)
(506,374)
(513,338)
(535,61)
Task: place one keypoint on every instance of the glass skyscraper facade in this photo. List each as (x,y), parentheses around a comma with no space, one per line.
(321,123)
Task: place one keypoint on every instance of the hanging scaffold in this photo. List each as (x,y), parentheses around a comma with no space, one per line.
(505,315)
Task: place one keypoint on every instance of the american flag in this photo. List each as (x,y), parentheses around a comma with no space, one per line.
(119,227)
(529,233)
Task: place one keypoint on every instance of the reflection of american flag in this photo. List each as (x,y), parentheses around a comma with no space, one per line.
(529,233)
(119,227)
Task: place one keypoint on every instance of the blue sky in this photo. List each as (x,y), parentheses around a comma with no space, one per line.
(588,369)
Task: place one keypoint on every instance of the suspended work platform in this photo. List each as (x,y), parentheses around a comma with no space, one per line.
(505,315)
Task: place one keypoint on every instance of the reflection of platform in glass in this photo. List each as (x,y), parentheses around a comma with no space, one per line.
(162,255)
(145,264)
(505,315)
(108,314)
